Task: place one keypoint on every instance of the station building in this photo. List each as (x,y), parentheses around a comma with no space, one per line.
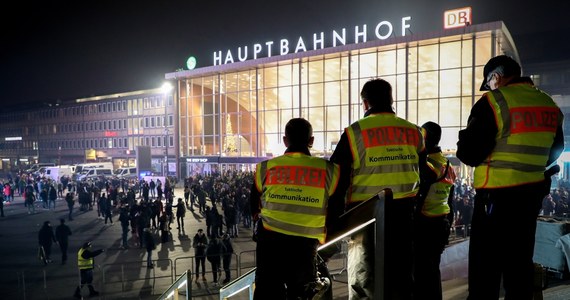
(233,114)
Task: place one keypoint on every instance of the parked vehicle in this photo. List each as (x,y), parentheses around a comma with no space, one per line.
(55,173)
(36,167)
(93,173)
(79,168)
(125,173)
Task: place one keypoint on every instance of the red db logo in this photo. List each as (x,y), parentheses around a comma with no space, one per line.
(457,18)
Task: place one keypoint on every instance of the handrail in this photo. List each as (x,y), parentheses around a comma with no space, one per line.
(184,281)
(355,219)
(245,281)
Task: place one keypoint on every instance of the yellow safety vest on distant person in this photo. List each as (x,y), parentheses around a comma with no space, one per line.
(83,263)
(385,155)
(527,120)
(295,189)
(436,201)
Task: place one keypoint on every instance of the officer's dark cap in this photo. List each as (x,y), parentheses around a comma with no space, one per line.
(510,68)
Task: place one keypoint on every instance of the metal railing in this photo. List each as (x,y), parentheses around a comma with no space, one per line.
(126,278)
(184,281)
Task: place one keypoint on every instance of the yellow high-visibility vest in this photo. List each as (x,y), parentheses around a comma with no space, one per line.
(83,263)
(435,203)
(527,120)
(295,189)
(385,152)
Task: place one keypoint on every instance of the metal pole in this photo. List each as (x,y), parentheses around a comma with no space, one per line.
(166,141)
(379,228)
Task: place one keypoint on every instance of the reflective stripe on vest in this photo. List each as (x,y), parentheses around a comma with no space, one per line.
(83,263)
(527,120)
(295,189)
(385,155)
(436,202)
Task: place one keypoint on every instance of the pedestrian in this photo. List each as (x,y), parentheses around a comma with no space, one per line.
(292,210)
(169,213)
(214,255)
(62,233)
(86,264)
(124,219)
(381,151)
(30,199)
(433,216)
(70,203)
(209,221)
(164,229)
(46,238)
(152,186)
(107,210)
(52,196)
(44,196)
(201,199)
(227,256)
(101,203)
(150,245)
(513,134)
(217,222)
(200,242)
(155,208)
(187,195)
(180,213)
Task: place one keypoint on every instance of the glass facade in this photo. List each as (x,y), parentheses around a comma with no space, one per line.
(242,112)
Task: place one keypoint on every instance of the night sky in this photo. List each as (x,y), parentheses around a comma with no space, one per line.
(74,49)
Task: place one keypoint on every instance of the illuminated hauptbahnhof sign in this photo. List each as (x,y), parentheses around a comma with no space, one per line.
(359,34)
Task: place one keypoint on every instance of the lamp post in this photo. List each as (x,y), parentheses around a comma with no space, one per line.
(166,88)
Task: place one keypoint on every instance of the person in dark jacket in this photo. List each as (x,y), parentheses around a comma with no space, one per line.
(86,263)
(214,255)
(180,213)
(62,233)
(200,242)
(124,219)
(52,196)
(513,134)
(150,245)
(227,256)
(70,203)
(46,239)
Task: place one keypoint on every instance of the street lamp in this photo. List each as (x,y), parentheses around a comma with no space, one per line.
(166,88)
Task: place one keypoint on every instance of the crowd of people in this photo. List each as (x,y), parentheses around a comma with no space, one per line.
(144,209)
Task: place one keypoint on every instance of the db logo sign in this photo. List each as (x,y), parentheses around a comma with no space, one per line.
(457,18)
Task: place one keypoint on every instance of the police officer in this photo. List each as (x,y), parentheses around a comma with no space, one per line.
(86,263)
(433,217)
(376,152)
(293,200)
(514,133)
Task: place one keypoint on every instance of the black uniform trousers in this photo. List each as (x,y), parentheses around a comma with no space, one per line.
(430,237)
(502,242)
(285,264)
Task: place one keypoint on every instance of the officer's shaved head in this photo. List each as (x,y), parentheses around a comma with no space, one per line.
(299,132)
(378,93)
